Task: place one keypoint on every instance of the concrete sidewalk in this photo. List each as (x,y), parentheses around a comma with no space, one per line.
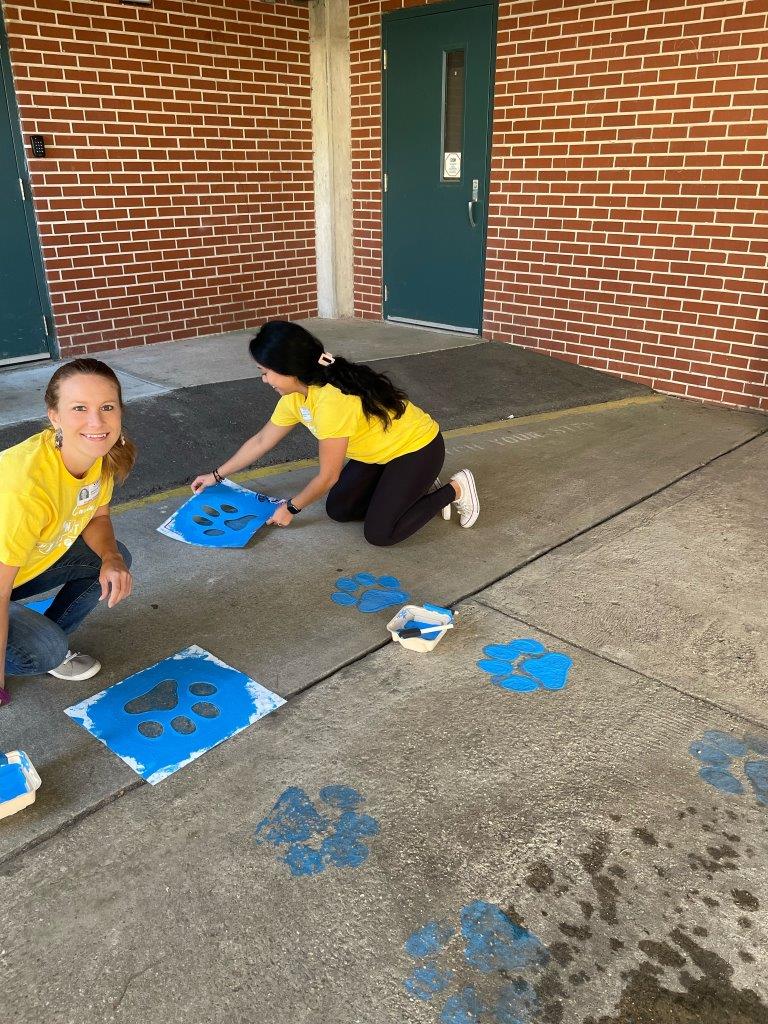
(549,856)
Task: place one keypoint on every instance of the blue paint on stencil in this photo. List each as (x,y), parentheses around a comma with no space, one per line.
(40,606)
(525,665)
(722,757)
(222,516)
(495,947)
(317,838)
(13,782)
(369,593)
(166,716)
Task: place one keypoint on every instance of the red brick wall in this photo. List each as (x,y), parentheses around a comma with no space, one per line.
(627,212)
(176,198)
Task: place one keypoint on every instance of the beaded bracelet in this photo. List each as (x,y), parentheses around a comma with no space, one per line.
(217,476)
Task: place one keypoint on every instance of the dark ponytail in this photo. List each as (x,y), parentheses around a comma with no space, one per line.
(290,349)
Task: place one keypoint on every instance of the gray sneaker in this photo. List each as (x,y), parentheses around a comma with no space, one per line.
(468,505)
(76,667)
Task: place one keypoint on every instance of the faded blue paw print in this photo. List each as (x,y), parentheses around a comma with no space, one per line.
(379,592)
(316,839)
(722,755)
(525,665)
(490,944)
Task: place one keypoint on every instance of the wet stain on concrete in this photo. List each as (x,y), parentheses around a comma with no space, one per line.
(745,900)
(580,932)
(540,877)
(645,836)
(662,952)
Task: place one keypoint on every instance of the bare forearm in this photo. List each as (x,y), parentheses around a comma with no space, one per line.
(100,537)
(317,487)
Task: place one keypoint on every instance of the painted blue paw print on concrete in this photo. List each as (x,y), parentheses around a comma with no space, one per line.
(488,943)
(369,593)
(313,838)
(723,755)
(524,666)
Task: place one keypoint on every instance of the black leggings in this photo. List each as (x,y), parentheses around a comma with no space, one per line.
(392,498)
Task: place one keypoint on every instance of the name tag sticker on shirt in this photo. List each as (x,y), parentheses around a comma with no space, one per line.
(87,494)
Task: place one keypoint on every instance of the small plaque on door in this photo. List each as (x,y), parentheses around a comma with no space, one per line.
(452,165)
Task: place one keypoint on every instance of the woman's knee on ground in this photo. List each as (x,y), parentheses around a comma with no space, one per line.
(378,536)
(338,510)
(35,648)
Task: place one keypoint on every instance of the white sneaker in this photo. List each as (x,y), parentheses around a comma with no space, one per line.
(468,505)
(76,667)
(445,511)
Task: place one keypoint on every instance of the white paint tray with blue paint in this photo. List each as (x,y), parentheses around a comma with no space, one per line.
(431,620)
(18,782)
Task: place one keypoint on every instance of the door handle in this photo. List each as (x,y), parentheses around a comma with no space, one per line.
(472,201)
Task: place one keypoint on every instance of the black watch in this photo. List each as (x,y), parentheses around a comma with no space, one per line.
(292,508)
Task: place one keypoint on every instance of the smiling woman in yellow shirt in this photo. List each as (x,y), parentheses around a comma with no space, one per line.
(55,529)
(380,455)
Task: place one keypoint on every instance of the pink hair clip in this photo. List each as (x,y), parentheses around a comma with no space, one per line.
(326,359)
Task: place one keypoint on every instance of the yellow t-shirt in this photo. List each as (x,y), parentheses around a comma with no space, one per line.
(328,412)
(43,508)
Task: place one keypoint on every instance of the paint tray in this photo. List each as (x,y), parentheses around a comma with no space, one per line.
(420,616)
(18,782)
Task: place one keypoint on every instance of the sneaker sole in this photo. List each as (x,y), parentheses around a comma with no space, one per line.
(92,671)
(475,501)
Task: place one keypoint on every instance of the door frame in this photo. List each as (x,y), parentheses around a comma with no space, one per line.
(406,14)
(14,118)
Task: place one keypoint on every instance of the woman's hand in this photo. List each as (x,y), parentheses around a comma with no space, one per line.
(115,579)
(280,517)
(201,482)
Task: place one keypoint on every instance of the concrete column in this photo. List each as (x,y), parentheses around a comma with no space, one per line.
(331,137)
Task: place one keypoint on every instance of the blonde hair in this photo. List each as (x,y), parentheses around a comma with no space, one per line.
(119,460)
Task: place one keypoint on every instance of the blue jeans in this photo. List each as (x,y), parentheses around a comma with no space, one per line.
(38,643)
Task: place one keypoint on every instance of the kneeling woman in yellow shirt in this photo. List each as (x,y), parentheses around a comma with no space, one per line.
(55,530)
(379,453)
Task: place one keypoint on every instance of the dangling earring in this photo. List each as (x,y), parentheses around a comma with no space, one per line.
(58,437)
(122,439)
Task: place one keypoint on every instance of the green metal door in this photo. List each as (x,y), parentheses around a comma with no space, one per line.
(438,75)
(23,302)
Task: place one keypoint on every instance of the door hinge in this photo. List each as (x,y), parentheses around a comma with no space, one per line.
(45,325)
(386,294)
(386,182)
(23,191)
(385,60)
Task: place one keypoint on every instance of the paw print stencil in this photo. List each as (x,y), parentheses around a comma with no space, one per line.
(163,699)
(312,838)
(213,528)
(369,593)
(724,758)
(496,956)
(166,716)
(223,516)
(524,666)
